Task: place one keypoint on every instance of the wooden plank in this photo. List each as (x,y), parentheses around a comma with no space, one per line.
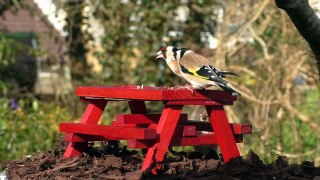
(200,125)
(200,102)
(119,92)
(237,128)
(136,144)
(143,118)
(73,137)
(152,93)
(108,131)
(115,123)
(179,131)
(201,140)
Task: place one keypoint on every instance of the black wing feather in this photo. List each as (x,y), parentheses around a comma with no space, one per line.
(222,73)
(228,89)
(210,73)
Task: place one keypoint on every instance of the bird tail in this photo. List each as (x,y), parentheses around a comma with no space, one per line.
(224,73)
(228,89)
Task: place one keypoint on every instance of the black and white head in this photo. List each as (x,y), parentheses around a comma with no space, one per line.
(167,53)
(170,53)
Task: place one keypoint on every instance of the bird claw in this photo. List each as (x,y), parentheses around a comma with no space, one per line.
(190,88)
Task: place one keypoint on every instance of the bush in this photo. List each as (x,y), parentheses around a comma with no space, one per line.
(28,126)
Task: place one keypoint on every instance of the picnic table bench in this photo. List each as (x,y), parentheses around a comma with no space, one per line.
(155,132)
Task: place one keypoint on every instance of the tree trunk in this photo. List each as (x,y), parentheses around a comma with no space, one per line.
(306,21)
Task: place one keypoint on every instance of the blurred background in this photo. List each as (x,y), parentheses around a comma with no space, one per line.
(49,47)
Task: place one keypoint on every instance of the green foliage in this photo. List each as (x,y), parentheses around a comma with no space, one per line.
(31,128)
(136,30)
(7,58)
(77,37)
(290,135)
(10,71)
(7,52)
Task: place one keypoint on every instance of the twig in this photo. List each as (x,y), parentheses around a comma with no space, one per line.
(261,42)
(257,14)
(297,155)
(301,116)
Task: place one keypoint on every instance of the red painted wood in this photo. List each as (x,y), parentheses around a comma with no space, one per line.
(138,107)
(108,131)
(165,129)
(223,132)
(241,128)
(204,139)
(206,126)
(73,137)
(93,111)
(75,149)
(143,118)
(115,123)
(179,131)
(152,93)
(159,130)
(200,125)
(199,102)
(91,115)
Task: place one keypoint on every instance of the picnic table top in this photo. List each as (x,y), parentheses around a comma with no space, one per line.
(149,93)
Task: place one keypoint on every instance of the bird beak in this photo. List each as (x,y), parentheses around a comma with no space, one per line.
(159,55)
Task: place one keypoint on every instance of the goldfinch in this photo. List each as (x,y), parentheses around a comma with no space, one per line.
(195,69)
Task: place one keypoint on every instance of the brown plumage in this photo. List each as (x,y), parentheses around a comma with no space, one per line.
(195,68)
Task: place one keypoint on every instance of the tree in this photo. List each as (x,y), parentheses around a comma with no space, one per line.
(306,21)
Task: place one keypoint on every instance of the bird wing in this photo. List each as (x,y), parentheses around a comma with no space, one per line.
(198,66)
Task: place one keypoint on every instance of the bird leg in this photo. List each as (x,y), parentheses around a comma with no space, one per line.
(182,87)
(187,86)
(178,87)
(190,88)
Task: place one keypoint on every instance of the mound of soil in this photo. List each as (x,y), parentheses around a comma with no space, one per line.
(112,162)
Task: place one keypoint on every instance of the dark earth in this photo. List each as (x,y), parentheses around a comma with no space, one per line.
(109,161)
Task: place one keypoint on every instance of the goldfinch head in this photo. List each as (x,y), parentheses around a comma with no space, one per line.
(168,53)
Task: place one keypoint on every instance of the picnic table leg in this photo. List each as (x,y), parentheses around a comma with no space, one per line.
(139,107)
(223,132)
(166,126)
(91,115)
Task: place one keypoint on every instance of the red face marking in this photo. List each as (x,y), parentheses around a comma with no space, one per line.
(163,51)
(164,48)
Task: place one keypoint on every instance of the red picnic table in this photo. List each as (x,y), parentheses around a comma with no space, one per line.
(155,132)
